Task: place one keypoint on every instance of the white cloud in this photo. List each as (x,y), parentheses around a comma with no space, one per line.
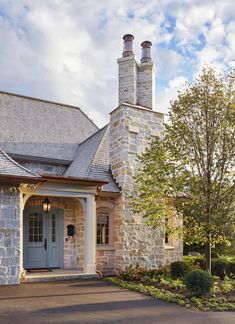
(170,93)
(66,50)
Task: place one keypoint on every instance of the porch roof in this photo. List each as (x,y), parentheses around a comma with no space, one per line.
(13,172)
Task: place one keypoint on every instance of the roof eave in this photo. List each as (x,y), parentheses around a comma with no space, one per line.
(84,181)
(13,179)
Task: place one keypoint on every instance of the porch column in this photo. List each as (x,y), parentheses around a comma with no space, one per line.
(22,271)
(90,235)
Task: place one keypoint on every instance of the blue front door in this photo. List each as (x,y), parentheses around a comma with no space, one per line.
(43,238)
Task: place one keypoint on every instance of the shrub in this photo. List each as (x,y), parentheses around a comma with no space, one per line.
(198,282)
(138,273)
(230,268)
(132,273)
(218,267)
(197,262)
(226,285)
(179,269)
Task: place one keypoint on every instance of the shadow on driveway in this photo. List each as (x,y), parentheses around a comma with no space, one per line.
(93,301)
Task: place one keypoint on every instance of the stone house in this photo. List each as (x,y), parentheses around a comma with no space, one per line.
(65,185)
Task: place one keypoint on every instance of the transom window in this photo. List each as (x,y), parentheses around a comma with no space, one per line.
(103,228)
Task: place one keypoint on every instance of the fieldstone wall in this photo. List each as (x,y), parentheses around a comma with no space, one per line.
(136,82)
(105,254)
(9,235)
(127,80)
(146,85)
(131,129)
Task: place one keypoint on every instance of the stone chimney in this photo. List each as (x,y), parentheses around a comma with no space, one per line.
(136,80)
(146,78)
(127,73)
(146,52)
(127,45)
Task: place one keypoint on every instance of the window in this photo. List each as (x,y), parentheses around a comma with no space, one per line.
(166,232)
(103,228)
(36,227)
(169,237)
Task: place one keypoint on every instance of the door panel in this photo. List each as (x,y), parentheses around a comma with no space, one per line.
(34,236)
(41,228)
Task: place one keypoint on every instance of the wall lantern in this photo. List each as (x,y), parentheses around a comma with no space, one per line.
(46,205)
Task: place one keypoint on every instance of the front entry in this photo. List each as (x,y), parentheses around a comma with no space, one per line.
(43,238)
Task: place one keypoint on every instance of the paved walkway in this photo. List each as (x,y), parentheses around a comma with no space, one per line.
(93,301)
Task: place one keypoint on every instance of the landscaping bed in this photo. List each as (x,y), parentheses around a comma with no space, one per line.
(163,285)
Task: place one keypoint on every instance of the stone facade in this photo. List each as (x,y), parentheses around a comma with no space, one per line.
(146,85)
(136,82)
(105,255)
(127,80)
(9,235)
(131,129)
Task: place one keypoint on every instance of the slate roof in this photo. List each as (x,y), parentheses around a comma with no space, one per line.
(9,167)
(40,128)
(92,160)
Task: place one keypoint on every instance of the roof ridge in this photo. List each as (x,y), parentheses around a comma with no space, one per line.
(48,101)
(19,165)
(97,150)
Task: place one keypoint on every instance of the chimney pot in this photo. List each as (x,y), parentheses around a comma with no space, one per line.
(146,52)
(127,45)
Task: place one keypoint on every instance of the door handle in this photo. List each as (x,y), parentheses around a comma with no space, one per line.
(45,244)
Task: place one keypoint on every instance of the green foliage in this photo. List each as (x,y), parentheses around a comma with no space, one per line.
(132,273)
(218,267)
(198,282)
(226,285)
(197,262)
(212,303)
(221,267)
(137,273)
(191,170)
(171,283)
(230,268)
(152,291)
(179,269)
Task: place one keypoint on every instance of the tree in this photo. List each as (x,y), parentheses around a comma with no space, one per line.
(191,170)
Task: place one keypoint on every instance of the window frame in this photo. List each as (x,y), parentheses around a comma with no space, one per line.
(170,244)
(111,229)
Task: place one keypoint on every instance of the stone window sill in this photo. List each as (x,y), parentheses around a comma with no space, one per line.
(169,247)
(105,247)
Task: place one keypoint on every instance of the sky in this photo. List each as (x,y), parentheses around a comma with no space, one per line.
(67,50)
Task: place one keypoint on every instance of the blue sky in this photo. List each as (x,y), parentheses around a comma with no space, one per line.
(67,50)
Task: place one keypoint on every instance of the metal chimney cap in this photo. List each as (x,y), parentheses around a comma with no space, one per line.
(128,37)
(146,44)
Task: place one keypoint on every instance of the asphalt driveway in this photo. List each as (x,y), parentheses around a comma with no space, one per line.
(93,301)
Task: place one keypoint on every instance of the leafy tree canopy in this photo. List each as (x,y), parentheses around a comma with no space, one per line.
(192,169)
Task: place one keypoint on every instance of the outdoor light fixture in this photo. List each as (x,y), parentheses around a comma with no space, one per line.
(46,205)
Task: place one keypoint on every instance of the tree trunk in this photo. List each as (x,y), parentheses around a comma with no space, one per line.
(208,254)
